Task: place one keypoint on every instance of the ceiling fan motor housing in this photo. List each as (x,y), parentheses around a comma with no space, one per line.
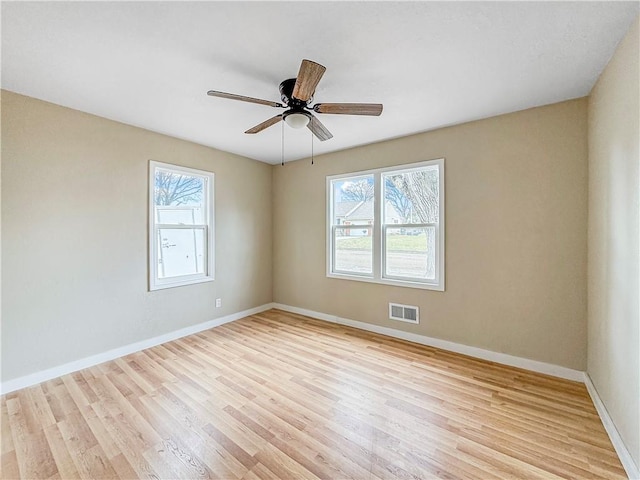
(286,92)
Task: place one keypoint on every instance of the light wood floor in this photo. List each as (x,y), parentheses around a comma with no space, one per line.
(282,396)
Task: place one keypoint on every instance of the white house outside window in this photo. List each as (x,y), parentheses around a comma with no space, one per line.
(181,226)
(387,225)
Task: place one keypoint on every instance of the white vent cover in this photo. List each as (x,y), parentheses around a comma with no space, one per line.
(404,313)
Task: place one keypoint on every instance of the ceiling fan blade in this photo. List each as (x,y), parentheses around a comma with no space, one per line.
(242,98)
(307,80)
(373,109)
(265,124)
(318,129)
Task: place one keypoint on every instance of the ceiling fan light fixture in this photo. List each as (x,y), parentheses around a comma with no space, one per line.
(297,120)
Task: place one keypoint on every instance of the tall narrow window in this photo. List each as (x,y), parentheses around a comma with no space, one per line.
(352,225)
(181,226)
(387,225)
(409,223)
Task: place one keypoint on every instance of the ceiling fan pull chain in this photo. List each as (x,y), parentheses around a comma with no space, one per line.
(282,144)
(312,125)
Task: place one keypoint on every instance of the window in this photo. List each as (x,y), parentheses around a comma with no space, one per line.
(387,225)
(180,226)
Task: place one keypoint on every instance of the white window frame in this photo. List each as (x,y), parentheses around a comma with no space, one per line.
(379,230)
(156,283)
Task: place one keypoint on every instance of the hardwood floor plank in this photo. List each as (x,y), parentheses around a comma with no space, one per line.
(259,472)
(28,412)
(106,442)
(186,432)
(122,467)
(64,463)
(282,465)
(130,445)
(87,455)
(6,445)
(282,396)
(31,448)
(9,465)
(38,402)
(310,453)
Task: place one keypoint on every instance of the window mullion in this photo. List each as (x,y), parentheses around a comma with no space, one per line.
(180,226)
(412,225)
(377,222)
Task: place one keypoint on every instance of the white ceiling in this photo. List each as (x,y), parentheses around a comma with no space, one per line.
(431,64)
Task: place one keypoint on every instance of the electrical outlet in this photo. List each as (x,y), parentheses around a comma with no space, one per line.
(218,302)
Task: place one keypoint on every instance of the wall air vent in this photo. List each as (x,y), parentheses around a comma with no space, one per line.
(404,313)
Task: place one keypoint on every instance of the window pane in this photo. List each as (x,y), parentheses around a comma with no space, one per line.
(180,251)
(411,196)
(353,252)
(353,202)
(411,253)
(179,198)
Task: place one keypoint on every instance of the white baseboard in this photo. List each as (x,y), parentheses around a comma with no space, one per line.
(503,358)
(48,374)
(633,472)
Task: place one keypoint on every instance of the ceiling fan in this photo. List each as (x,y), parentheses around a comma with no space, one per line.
(297,95)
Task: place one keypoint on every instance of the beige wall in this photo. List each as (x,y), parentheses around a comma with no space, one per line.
(516,221)
(614,198)
(516,230)
(74,228)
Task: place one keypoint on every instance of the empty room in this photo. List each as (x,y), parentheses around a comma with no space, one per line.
(320,240)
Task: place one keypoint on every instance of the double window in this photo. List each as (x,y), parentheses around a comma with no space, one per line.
(387,225)
(180,226)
